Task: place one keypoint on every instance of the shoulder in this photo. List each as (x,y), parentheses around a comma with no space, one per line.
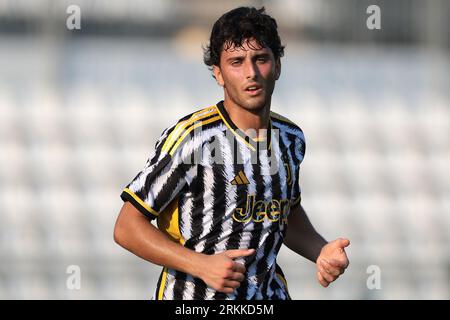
(194,125)
(285,125)
(289,133)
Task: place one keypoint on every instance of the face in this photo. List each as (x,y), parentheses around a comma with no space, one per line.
(247,75)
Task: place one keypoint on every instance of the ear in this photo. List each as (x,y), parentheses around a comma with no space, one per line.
(218,75)
(277,69)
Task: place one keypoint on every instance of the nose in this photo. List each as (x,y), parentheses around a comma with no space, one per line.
(251,70)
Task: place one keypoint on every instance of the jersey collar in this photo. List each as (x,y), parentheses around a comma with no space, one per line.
(253,144)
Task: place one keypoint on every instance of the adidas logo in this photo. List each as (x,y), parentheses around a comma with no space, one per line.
(240,179)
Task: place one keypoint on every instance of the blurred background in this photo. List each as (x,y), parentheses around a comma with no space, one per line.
(81,109)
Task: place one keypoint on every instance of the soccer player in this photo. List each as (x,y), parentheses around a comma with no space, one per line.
(223,182)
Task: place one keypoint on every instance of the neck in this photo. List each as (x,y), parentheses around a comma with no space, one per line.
(246,119)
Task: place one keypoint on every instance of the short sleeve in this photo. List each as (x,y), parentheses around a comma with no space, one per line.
(299,153)
(158,183)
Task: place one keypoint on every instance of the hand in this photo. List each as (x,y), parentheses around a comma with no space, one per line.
(221,272)
(332,261)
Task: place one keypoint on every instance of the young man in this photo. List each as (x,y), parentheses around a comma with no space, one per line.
(223,182)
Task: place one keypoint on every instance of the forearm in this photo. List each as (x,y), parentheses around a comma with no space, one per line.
(307,245)
(301,237)
(139,236)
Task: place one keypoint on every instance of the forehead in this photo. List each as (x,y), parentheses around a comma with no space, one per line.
(248,46)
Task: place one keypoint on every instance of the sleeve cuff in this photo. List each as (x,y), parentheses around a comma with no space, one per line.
(145,209)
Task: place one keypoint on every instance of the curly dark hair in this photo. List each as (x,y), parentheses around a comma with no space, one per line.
(239,25)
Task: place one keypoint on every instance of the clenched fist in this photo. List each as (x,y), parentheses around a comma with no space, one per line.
(332,261)
(221,272)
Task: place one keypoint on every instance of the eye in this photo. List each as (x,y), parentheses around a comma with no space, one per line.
(236,62)
(262,59)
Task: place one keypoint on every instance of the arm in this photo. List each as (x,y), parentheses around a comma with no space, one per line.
(134,232)
(301,237)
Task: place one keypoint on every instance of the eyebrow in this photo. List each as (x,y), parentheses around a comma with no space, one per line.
(256,56)
(262,55)
(240,57)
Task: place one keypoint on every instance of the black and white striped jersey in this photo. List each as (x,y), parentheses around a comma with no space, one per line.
(213,188)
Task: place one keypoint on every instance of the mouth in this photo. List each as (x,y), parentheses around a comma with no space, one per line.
(253,89)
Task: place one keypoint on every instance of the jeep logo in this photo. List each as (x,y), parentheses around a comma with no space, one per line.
(260,210)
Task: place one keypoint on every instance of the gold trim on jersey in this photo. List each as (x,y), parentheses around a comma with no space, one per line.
(169,222)
(183,125)
(192,127)
(162,285)
(142,203)
(271,136)
(234,132)
(255,140)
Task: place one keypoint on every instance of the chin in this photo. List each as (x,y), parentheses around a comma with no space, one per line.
(255,104)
